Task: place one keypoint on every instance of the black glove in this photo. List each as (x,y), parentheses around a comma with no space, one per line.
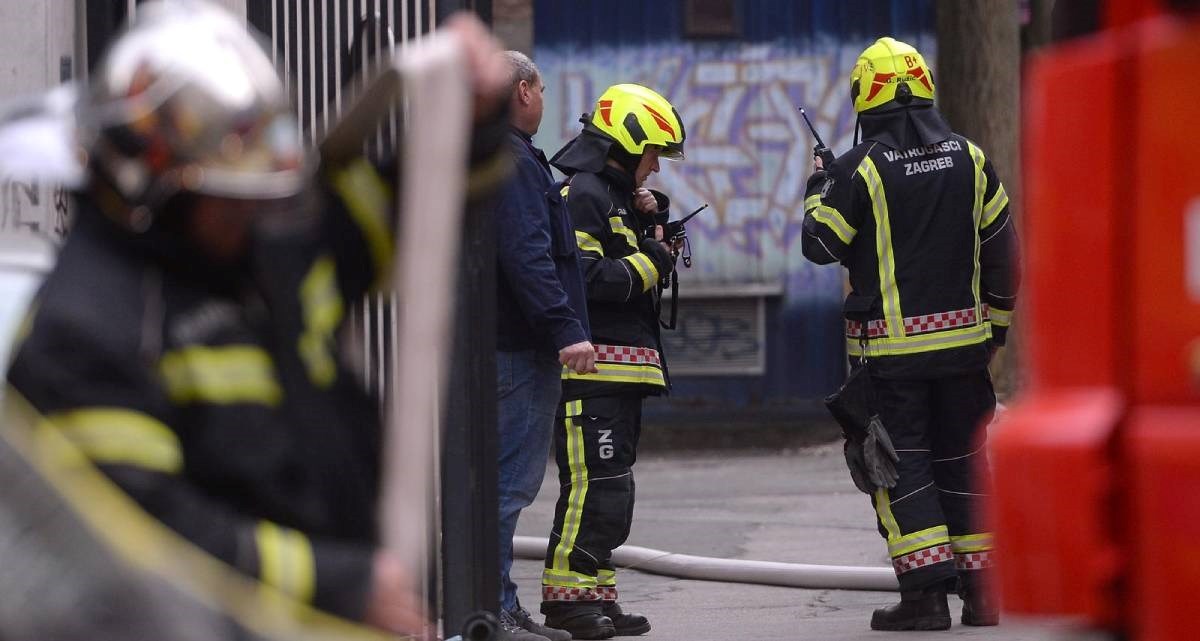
(858,467)
(662,259)
(879,455)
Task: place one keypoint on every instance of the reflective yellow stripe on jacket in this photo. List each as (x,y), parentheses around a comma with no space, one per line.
(323,311)
(368,200)
(286,561)
(889,291)
(644,267)
(620,373)
(220,375)
(118,436)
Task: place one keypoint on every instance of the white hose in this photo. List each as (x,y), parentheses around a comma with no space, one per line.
(687,566)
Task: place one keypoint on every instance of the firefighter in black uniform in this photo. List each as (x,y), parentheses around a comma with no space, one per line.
(918,216)
(186,340)
(599,423)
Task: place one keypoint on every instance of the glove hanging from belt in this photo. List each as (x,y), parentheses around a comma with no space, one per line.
(868,448)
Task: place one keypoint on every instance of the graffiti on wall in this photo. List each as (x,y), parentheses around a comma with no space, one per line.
(748,151)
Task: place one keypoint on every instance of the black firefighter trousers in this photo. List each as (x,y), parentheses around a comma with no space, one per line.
(931,519)
(595,445)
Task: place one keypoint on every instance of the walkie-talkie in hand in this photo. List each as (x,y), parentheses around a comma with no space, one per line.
(819,149)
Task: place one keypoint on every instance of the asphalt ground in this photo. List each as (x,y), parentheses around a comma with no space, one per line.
(796,505)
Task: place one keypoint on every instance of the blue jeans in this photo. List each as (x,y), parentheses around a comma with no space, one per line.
(528,387)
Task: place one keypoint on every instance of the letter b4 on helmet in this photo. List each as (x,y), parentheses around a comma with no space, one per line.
(635,116)
(187,100)
(887,71)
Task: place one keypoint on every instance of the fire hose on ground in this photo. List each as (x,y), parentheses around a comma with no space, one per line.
(704,568)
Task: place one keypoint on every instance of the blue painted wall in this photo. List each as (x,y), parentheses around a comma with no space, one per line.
(748,151)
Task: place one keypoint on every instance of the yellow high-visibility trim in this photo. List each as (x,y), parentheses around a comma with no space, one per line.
(574,408)
(1000,317)
(883,509)
(323,311)
(620,373)
(645,268)
(971,543)
(578,481)
(368,198)
(618,227)
(565,189)
(960,337)
(937,535)
(588,243)
(606,578)
(567,579)
(833,219)
(220,375)
(286,560)
(996,205)
(977,217)
(145,544)
(117,436)
(889,290)
(812,201)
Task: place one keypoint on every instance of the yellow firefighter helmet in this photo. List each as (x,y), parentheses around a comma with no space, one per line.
(635,116)
(886,71)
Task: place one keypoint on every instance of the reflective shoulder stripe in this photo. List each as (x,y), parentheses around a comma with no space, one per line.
(286,560)
(1000,317)
(118,436)
(993,208)
(367,199)
(971,542)
(588,243)
(220,375)
(645,268)
(618,227)
(889,290)
(833,219)
(323,311)
(923,342)
(937,535)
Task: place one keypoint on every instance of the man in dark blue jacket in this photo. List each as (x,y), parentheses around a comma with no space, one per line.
(542,327)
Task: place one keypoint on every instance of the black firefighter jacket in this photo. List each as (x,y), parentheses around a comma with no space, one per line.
(622,287)
(216,399)
(921,221)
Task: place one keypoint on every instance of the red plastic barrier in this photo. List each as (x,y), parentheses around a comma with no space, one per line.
(1052,499)
(1161,447)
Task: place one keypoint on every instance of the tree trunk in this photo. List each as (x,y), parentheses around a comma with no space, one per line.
(978,86)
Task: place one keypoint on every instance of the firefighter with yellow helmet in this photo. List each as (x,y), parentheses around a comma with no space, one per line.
(918,216)
(631,128)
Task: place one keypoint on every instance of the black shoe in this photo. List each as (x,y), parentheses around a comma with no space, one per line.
(525,620)
(627,624)
(979,604)
(920,610)
(583,619)
(510,630)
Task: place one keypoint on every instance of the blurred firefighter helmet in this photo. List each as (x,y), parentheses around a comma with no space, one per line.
(635,116)
(187,101)
(888,71)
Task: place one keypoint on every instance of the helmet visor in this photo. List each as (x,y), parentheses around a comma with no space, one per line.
(672,152)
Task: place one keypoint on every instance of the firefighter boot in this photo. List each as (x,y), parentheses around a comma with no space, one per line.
(583,619)
(979,603)
(627,624)
(918,610)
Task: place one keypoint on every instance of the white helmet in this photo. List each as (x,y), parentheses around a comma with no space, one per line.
(187,100)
